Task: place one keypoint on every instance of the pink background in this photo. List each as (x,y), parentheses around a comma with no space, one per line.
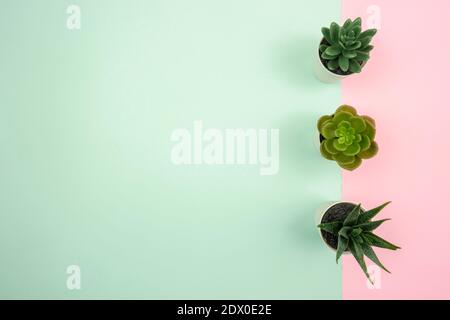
(405,87)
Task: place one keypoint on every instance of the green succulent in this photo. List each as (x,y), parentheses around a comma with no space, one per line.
(355,234)
(346,48)
(347,138)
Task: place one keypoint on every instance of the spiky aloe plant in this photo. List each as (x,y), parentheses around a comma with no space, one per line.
(347,137)
(355,234)
(345,49)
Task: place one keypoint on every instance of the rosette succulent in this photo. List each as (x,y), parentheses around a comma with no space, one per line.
(347,137)
(345,49)
(355,234)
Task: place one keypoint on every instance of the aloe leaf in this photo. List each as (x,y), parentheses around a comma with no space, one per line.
(352,217)
(331,227)
(376,241)
(369,253)
(372,225)
(342,246)
(357,252)
(368,215)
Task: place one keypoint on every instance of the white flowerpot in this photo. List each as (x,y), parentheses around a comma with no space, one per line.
(323,74)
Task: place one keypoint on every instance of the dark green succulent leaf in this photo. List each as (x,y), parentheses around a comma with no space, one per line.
(368,215)
(371,225)
(375,241)
(362,56)
(367,49)
(356,250)
(349,54)
(334,32)
(333,64)
(354,46)
(326,34)
(369,253)
(326,56)
(356,231)
(322,48)
(331,227)
(347,24)
(342,246)
(357,22)
(345,232)
(352,217)
(364,41)
(355,67)
(333,51)
(343,63)
(368,33)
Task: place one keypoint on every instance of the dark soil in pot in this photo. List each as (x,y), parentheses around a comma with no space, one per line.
(337,212)
(324,63)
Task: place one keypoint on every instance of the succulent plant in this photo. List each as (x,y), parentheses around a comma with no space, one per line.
(346,48)
(347,137)
(355,234)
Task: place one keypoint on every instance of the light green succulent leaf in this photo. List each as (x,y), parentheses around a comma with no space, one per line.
(352,150)
(329,147)
(322,120)
(351,166)
(324,152)
(371,152)
(328,130)
(358,124)
(341,146)
(365,142)
(370,130)
(347,108)
(341,116)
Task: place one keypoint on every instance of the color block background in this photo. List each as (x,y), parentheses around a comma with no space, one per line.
(405,88)
(86,178)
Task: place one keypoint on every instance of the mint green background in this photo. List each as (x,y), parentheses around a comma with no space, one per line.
(86,176)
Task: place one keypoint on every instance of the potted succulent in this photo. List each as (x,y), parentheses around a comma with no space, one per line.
(347,228)
(346,137)
(343,50)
